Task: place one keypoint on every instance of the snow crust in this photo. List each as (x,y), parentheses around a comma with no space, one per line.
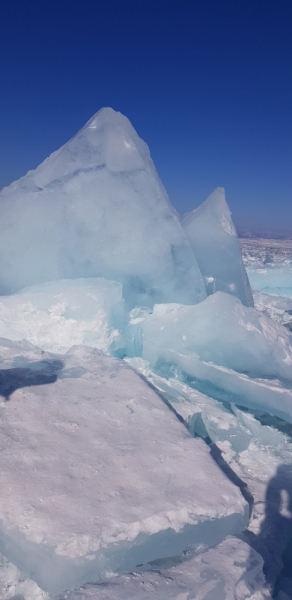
(91,481)
(60,314)
(214,240)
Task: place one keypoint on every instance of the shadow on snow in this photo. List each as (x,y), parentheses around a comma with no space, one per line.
(34,373)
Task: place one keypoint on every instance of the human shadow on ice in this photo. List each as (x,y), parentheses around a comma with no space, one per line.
(30,374)
(274,541)
(216,454)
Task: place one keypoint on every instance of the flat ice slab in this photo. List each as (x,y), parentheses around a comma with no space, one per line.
(97,474)
(230,571)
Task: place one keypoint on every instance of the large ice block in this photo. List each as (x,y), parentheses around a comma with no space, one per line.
(230,571)
(219,330)
(214,240)
(97,474)
(59,314)
(97,208)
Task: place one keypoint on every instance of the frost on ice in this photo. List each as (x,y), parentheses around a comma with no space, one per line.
(215,244)
(145,404)
(60,314)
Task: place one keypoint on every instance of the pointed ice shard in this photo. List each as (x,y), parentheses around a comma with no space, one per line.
(214,240)
(97,208)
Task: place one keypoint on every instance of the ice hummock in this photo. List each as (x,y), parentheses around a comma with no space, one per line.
(97,474)
(80,430)
(97,208)
(214,240)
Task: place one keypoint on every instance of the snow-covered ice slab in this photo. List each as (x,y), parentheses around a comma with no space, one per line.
(230,571)
(214,240)
(60,314)
(97,208)
(97,474)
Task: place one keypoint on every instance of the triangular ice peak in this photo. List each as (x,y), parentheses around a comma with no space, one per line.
(216,209)
(97,208)
(107,140)
(214,240)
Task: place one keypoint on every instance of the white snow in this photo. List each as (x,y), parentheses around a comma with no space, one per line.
(14,585)
(57,315)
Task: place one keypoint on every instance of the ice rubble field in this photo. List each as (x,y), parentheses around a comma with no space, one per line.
(146,397)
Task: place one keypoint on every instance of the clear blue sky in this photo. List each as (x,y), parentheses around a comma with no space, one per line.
(207,84)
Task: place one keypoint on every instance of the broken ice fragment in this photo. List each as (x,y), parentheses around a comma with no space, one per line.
(214,240)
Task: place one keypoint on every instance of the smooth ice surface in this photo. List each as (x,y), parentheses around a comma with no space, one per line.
(97,474)
(59,314)
(97,208)
(230,571)
(275,279)
(219,330)
(214,240)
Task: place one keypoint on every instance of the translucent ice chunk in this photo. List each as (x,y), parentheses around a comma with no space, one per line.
(223,331)
(56,315)
(228,385)
(93,470)
(230,571)
(203,416)
(215,243)
(97,208)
